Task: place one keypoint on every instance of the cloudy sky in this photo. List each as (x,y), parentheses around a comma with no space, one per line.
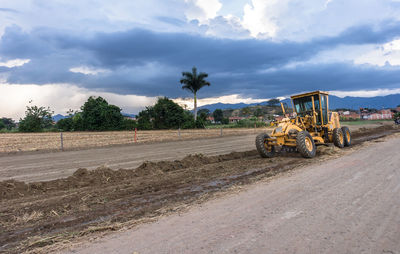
(59,52)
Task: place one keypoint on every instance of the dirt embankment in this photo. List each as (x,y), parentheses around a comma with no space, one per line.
(39,214)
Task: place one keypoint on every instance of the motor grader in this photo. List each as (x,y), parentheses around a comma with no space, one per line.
(311,125)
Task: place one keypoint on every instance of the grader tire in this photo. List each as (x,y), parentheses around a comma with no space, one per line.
(305,144)
(261,143)
(346,136)
(338,137)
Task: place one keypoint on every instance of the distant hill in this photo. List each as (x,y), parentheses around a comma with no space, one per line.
(378,102)
(58,117)
(128,115)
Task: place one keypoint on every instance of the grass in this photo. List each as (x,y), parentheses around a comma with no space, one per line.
(363,122)
(219,126)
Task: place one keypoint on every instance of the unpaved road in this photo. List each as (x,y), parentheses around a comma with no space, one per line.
(43,166)
(40,166)
(349,204)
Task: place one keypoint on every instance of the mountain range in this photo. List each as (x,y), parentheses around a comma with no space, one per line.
(378,102)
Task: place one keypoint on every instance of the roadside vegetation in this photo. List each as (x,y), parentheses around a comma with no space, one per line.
(362,122)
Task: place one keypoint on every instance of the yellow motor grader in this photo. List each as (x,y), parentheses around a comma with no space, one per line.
(311,124)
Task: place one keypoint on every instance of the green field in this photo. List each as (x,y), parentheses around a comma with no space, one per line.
(362,122)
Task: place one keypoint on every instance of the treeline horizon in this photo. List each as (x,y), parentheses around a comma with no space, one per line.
(96,114)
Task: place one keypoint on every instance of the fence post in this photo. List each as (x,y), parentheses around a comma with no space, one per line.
(179,132)
(135,139)
(221,132)
(62,141)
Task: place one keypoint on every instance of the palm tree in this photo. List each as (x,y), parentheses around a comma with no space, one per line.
(194,82)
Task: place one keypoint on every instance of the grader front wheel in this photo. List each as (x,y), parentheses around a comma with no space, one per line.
(305,144)
(265,150)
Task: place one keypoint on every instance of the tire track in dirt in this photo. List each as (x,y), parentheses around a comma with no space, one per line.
(38,214)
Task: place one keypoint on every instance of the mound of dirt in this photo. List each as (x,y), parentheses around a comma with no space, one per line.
(378,130)
(195,160)
(328,150)
(12,189)
(82,177)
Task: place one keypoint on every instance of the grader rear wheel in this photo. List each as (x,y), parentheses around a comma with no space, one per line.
(265,150)
(305,144)
(338,137)
(346,135)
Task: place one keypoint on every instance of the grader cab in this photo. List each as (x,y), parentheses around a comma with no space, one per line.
(311,125)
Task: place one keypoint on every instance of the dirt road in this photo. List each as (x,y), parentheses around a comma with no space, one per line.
(38,166)
(41,216)
(41,166)
(347,205)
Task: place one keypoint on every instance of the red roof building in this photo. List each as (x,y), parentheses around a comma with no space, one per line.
(235,119)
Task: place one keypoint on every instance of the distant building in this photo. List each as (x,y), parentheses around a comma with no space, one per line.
(235,119)
(383,114)
(345,115)
(130,117)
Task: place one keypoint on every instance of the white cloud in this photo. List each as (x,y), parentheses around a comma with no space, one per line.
(372,54)
(381,55)
(202,10)
(14,63)
(228,26)
(87,70)
(258,17)
(231,99)
(365,93)
(60,98)
(91,16)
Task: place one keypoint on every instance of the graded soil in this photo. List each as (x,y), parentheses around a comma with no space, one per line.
(36,215)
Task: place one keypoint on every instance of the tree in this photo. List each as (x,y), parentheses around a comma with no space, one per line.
(98,115)
(218,115)
(168,114)
(65,124)
(8,123)
(2,125)
(258,112)
(202,116)
(246,111)
(36,119)
(225,120)
(273,102)
(205,111)
(145,119)
(128,124)
(194,82)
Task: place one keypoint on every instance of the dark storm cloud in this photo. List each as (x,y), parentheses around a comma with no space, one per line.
(148,63)
(334,76)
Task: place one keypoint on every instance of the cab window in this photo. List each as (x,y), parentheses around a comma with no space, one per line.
(303,106)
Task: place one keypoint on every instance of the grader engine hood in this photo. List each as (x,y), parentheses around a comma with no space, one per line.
(284,128)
